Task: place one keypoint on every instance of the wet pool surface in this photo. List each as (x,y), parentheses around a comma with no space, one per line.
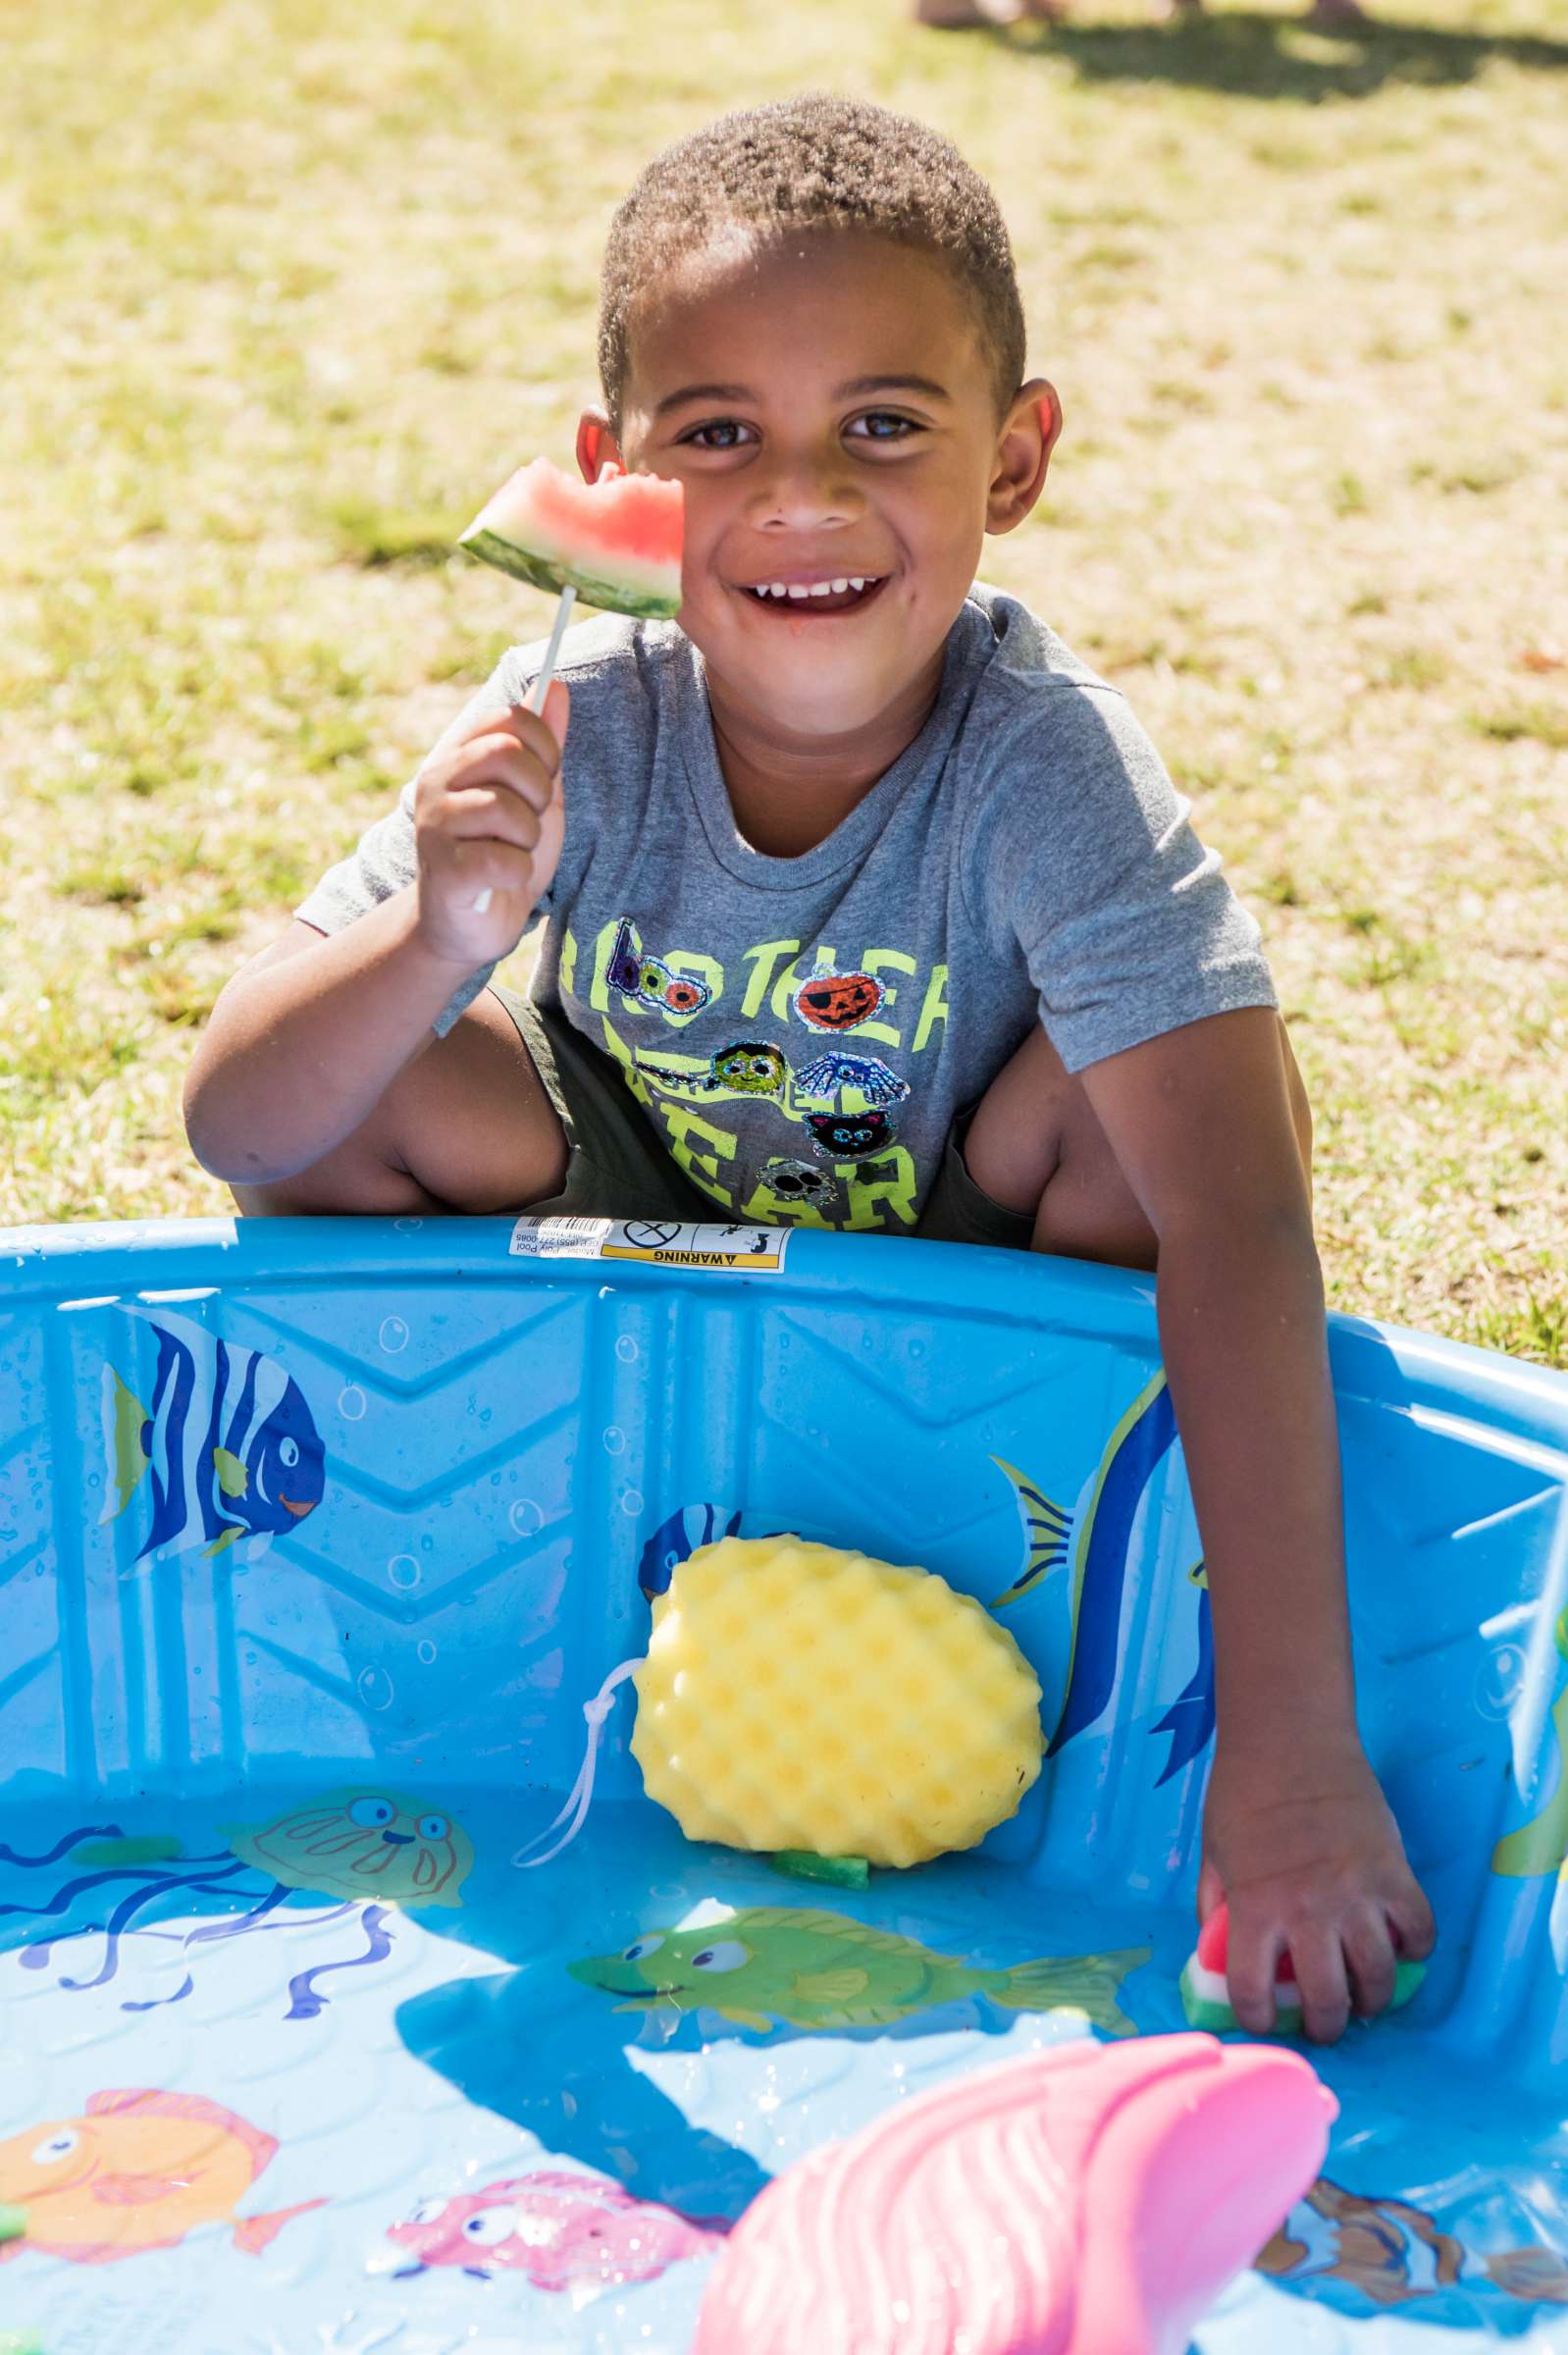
(309,2098)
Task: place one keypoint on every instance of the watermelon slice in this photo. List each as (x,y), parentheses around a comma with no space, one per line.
(1206,1990)
(617,542)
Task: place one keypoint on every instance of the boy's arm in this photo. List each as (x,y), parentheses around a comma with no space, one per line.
(306,1038)
(1297,1835)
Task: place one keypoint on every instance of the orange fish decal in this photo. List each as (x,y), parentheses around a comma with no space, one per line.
(1393,2252)
(138,2170)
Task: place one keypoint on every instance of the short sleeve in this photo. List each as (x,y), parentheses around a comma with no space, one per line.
(1083,855)
(383,861)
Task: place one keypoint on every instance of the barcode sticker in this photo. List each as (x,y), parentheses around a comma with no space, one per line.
(656,1242)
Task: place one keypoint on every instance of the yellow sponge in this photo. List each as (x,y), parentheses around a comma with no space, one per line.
(797,1696)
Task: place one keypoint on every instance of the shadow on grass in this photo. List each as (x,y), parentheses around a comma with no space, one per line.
(1252,55)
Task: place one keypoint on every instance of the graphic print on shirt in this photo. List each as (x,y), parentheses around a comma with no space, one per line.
(749,1068)
(799,1181)
(847,1169)
(830,1001)
(848,1135)
(831,1073)
(649,981)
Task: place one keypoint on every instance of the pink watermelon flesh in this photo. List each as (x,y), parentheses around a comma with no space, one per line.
(617,542)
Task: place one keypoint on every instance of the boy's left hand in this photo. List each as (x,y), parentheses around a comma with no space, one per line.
(1313,1866)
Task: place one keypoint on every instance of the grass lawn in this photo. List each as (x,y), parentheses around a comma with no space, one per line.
(291,284)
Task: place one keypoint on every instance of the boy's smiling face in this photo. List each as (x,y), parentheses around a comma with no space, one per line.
(768,384)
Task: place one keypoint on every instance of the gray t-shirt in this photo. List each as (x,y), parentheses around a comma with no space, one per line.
(800,1033)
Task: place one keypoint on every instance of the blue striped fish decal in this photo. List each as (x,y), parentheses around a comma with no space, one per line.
(229,1446)
(1098,1550)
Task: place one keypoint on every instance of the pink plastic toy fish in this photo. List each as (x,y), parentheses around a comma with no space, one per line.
(1090,2200)
(558,2230)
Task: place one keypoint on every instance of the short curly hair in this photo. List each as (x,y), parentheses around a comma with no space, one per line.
(813,162)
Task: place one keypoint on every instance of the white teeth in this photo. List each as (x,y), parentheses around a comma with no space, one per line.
(800,590)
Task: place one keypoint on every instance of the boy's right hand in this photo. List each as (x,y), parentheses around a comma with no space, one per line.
(487,815)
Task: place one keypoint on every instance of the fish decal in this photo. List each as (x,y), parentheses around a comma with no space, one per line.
(677,1538)
(362,1844)
(1541,1845)
(227,1444)
(821,1970)
(137,2171)
(1132,1455)
(1045,1534)
(1394,2253)
(557,2230)
(647,982)
(1189,1720)
(830,1001)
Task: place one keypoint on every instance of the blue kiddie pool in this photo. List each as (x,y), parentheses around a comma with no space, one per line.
(279,1707)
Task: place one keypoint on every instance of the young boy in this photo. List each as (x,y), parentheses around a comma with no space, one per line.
(866,904)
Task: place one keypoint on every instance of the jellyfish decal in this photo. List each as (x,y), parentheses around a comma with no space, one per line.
(377,1853)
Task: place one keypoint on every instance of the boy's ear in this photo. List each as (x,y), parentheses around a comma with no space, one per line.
(596,443)
(1022,455)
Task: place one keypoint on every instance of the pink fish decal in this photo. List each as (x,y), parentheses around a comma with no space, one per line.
(558,2231)
(1090,2200)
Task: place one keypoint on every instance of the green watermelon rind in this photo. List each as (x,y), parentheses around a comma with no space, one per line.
(1202,2012)
(541,573)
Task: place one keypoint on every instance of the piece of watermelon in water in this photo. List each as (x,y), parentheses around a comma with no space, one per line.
(617,542)
(1206,1989)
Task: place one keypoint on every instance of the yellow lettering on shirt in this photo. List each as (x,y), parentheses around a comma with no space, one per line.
(869,1194)
(934,1010)
(568,964)
(770,1209)
(764,960)
(598,986)
(782,1002)
(874,962)
(617,1046)
(703,1168)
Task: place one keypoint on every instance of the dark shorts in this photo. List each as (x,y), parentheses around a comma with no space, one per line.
(617,1168)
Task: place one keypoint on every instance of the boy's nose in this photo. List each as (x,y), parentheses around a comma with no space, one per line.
(805,492)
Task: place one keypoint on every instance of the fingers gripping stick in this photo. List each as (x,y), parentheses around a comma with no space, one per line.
(538,692)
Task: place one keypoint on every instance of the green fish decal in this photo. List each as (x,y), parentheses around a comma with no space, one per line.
(819,1970)
(1543,1846)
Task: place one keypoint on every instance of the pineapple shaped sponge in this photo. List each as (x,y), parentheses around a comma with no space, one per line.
(797,1696)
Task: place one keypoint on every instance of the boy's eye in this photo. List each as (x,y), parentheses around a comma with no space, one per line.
(902,428)
(906,425)
(720,425)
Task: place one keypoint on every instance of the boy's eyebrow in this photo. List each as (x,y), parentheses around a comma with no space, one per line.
(845,392)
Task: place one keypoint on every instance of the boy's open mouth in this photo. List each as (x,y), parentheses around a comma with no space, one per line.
(840,595)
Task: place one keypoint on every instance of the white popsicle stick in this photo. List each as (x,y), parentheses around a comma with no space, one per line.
(538,692)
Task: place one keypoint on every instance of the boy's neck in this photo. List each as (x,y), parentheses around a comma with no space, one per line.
(788,791)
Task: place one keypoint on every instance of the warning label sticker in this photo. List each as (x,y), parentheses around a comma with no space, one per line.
(656,1242)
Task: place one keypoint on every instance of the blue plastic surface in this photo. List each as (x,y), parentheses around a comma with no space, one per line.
(492,1457)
